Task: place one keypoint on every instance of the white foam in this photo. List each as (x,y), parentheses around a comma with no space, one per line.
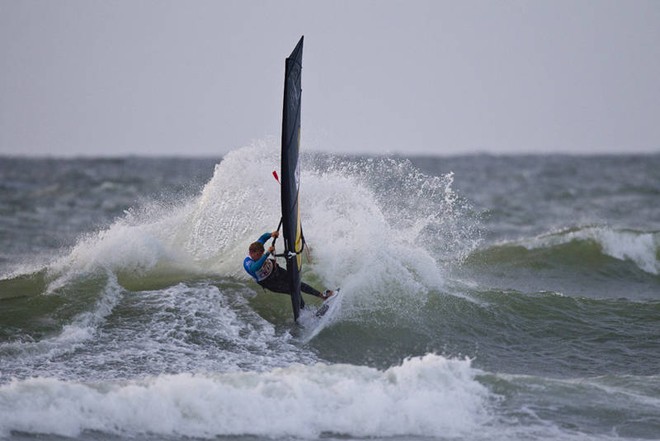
(82,327)
(199,328)
(428,396)
(641,248)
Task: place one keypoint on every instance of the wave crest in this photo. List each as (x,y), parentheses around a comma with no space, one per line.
(581,247)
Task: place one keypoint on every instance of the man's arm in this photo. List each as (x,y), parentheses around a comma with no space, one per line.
(256,266)
(264,237)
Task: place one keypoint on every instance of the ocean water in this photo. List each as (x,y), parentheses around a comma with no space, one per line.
(483,298)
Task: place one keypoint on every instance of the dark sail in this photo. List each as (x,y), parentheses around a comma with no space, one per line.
(290,171)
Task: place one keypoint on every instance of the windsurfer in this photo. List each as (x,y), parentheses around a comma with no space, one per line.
(269,274)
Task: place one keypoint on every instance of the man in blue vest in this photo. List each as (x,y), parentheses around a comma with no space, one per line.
(269,274)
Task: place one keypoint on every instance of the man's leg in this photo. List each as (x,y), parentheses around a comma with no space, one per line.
(309,290)
(279,282)
(276,284)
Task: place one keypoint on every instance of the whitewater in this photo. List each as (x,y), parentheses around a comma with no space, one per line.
(484,297)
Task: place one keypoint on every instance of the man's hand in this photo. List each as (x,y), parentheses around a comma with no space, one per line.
(275,234)
(271,249)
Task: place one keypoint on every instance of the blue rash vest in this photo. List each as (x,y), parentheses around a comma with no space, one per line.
(262,268)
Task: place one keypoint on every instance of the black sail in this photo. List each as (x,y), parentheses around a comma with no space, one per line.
(290,175)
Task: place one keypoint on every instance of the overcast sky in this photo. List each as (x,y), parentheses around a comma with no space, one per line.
(412,77)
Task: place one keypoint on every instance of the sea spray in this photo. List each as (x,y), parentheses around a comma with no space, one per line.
(355,214)
(389,232)
(141,242)
(240,202)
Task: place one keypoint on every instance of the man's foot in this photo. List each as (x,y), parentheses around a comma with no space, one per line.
(327,294)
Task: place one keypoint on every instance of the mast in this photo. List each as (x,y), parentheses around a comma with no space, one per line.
(290,170)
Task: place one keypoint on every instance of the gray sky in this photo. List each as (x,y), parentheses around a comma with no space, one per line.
(433,77)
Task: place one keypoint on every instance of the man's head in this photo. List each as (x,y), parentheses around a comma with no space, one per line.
(256,250)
